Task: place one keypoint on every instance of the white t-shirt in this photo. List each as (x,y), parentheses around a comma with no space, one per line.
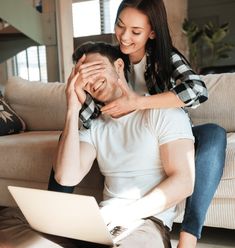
(128,152)
(137,77)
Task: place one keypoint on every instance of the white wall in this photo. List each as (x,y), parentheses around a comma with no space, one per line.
(64,37)
(177,11)
(220,11)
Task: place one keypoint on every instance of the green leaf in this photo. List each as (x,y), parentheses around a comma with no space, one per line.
(218,36)
(206,44)
(197,36)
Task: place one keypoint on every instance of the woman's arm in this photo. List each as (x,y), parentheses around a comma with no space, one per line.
(188,90)
(131,101)
(188,86)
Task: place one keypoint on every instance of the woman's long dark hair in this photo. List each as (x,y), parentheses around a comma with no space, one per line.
(161,47)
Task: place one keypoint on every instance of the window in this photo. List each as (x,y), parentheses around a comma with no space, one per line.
(86,18)
(31,64)
(109,14)
(94,17)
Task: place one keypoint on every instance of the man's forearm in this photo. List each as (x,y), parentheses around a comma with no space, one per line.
(167,194)
(68,154)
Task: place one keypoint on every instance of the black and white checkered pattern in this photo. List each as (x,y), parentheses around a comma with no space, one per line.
(90,110)
(186,84)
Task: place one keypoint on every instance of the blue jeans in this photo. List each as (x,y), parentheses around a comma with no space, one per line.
(210,148)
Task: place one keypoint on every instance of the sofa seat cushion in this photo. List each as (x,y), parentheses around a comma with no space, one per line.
(226,187)
(28,156)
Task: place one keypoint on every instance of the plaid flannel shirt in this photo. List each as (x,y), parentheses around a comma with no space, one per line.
(185,83)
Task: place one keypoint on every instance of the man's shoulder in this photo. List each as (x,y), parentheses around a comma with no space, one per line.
(169,124)
(173,116)
(166,112)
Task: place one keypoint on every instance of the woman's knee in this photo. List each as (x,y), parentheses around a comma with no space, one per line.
(218,130)
(210,127)
(210,131)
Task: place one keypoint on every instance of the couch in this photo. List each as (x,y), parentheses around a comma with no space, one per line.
(26,158)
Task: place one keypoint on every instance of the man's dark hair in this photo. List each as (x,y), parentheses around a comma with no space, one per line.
(105,49)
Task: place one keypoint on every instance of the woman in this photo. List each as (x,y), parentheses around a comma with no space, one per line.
(157,68)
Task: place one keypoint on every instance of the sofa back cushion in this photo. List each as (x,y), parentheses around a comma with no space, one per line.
(220,107)
(41,105)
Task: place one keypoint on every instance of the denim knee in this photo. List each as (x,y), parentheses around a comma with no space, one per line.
(212,128)
(210,138)
(216,129)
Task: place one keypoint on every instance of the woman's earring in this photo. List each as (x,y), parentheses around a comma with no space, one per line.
(152,36)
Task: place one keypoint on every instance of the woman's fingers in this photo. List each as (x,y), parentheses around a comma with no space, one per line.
(108,107)
(123,86)
(114,112)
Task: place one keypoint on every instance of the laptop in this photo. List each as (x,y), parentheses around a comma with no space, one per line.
(67,215)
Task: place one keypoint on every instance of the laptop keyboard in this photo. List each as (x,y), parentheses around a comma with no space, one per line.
(117,230)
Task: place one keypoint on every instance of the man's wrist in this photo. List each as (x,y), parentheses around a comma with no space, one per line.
(74,110)
(81,94)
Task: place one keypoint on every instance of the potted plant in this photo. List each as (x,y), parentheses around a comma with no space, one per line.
(206,45)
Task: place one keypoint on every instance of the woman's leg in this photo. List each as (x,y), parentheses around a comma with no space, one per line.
(210,144)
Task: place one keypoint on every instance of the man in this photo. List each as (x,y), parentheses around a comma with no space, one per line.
(146,157)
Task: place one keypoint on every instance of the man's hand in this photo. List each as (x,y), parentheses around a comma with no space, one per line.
(89,73)
(73,101)
(128,102)
(79,85)
(117,216)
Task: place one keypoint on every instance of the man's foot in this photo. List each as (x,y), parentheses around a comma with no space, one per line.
(187,240)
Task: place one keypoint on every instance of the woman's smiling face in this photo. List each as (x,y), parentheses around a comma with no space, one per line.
(133,30)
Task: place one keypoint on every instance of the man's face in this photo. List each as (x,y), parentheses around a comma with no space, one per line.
(105,87)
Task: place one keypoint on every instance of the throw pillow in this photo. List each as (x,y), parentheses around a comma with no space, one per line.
(10,122)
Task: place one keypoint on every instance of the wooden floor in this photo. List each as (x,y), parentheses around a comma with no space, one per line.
(211,237)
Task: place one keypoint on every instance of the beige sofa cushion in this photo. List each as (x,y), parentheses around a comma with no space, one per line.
(226,187)
(218,108)
(41,105)
(28,156)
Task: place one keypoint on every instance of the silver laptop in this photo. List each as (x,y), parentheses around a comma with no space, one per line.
(67,215)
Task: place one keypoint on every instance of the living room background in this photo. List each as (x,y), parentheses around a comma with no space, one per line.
(61,23)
